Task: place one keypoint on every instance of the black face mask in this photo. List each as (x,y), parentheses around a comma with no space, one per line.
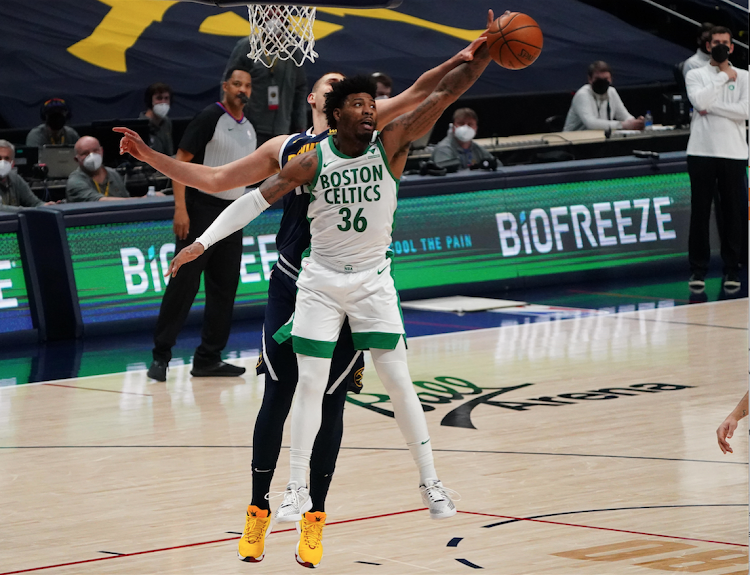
(56,121)
(720,53)
(600,86)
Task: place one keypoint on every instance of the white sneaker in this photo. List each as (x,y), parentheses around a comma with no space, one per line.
(295,504)
(436,497)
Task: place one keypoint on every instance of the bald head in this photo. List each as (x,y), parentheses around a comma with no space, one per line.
(86,145)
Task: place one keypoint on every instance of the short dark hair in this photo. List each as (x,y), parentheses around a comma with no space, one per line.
(465,113)
(382,78)
(152,90)
(341,90)
(719,30)
(598,66)
(231,70)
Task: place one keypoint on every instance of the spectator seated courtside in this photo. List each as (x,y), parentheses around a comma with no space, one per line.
(458,150)
(53,131)
(597,105)
(15,193)
(92,181)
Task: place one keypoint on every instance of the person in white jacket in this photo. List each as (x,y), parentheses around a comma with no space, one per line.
(597,105)
(717,155)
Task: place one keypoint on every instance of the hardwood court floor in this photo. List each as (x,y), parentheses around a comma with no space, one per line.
(116,474)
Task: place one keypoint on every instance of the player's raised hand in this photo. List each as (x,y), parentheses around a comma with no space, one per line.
(131,143)
(186,255)
(467,54)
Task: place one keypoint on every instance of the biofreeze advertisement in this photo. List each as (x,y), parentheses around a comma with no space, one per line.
(438,240)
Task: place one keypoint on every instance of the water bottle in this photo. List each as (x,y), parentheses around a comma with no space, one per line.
(151,191)
(649,120)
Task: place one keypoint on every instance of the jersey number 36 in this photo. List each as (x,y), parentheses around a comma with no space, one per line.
(359,224)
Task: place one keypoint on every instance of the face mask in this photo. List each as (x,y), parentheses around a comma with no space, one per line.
(161,110)
(464,133)
(56,121)
(600,86)
(381,97)
(5,167)
(93,162)
(720,53)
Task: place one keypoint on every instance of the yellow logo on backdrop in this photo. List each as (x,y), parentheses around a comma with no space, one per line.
(128,19)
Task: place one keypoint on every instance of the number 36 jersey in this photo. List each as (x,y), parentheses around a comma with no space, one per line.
(352,205)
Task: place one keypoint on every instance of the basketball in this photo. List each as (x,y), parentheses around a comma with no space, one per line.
(514,40)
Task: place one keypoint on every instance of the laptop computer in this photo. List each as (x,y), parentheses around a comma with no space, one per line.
(60,161)
(26,158)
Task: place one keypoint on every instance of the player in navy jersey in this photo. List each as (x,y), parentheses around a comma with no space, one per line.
(278,362)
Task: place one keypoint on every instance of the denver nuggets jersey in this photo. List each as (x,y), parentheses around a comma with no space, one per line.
(352,204)
(293,237)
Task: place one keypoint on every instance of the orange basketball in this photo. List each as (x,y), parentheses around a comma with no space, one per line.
(514,40)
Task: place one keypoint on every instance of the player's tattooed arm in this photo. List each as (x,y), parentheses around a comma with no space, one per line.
(413,125)
(300,170)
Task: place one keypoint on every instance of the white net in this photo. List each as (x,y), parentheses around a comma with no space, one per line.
(281,33)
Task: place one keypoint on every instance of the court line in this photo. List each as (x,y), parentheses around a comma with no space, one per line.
(199,544)
(513,519)
(479,451)
(96,389)
(681,322)
(533,520)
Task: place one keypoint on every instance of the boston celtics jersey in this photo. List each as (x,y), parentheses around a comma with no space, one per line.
(352,204)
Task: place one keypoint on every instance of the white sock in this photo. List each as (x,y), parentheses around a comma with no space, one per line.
(299,463)
(394,373)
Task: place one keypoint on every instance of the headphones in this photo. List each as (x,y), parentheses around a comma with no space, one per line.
(54,104)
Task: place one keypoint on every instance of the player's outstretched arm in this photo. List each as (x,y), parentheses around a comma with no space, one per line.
(246,171)
(301,170)
(726,429)
(409,99)
(405,129)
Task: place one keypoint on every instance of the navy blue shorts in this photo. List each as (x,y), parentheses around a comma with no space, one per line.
(278,361)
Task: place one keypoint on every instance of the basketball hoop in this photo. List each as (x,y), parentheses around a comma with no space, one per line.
(280,32)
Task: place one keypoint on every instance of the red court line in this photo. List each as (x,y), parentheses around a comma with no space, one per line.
(199,544)
(97,389)
(599,528)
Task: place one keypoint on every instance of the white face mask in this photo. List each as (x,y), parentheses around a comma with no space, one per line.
(464,133)
(5,167)
(93,162)
(161,110)
(383,97)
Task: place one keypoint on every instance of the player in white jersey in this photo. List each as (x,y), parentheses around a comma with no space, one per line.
(278,361)
(350,107)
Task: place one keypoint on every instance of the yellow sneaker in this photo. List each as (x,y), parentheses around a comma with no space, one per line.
(310,546)
(252,543)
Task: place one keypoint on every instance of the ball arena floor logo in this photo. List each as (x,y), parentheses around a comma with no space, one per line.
(447,390)
(605,224)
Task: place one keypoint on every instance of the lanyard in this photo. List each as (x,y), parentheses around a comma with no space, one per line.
(106,190)
(599,108)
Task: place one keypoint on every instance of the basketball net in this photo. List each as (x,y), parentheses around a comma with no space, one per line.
(281,33)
